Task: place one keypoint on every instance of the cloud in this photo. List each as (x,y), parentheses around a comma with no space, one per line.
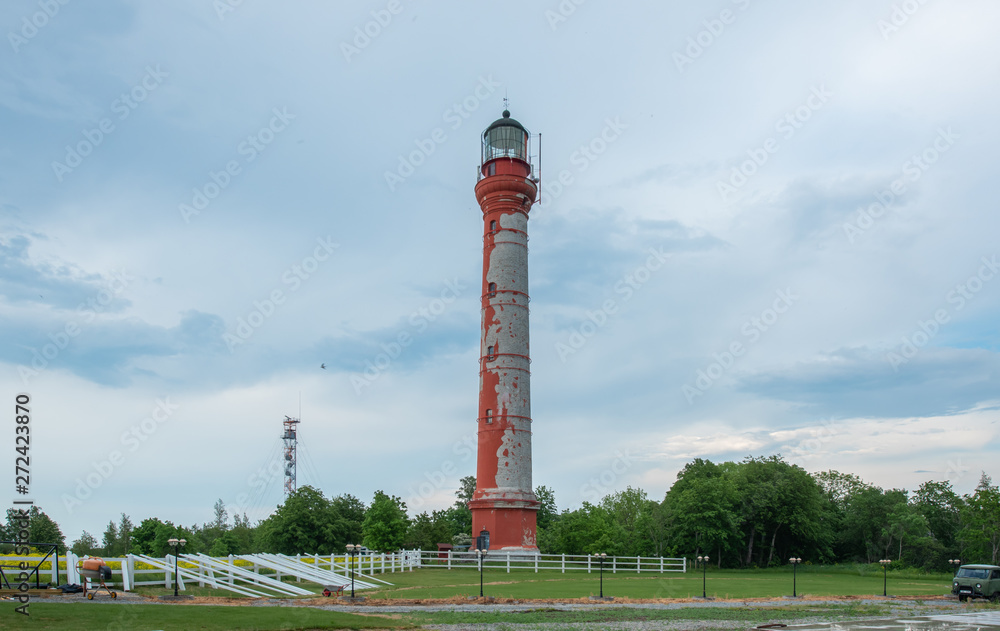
(861,382)
(59,284)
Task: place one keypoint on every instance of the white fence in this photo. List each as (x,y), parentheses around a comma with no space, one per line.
(562,562)
(223,572)
(124,572)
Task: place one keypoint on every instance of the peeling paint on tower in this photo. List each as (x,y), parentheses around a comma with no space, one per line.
(504,503)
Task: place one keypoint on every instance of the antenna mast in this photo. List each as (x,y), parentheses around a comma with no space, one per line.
(290,439)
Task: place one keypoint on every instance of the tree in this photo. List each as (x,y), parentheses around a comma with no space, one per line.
(150,537)
(224,546)
(385,524)
(981,533)
(348,515)
(702,511)
(85,545)
(427,530)
(838,486)
(221,520)
(302,524)
(631,511)
(547,510)
(41,527)
(942,508)
(125,529)
(243,535)
(110,543)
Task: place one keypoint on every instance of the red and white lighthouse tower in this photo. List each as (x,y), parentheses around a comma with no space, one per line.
(504,503)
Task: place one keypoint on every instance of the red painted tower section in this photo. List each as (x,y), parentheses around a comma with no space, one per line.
(504,502)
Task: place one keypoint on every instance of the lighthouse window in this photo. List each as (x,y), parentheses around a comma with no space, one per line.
(489,416)
(493,290)
(489,354)
(492,170)
(493,226)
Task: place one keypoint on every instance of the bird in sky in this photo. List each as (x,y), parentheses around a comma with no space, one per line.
(323,366)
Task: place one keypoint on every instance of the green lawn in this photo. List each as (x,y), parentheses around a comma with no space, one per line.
(126,617)
(441,583)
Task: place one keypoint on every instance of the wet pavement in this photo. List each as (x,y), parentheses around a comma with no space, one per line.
(947,622)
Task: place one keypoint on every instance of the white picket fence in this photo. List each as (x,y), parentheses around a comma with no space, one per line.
(562,562)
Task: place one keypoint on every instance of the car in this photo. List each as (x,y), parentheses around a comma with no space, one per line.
(977,581)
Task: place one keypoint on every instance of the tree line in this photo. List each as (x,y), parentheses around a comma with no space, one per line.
(750,514)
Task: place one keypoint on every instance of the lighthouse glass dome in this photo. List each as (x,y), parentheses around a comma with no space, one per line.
(505,138)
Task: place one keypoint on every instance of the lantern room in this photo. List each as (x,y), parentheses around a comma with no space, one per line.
(506,148)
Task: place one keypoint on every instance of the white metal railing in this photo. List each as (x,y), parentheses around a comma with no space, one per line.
(563,562)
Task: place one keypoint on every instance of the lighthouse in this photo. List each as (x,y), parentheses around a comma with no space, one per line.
(504,504)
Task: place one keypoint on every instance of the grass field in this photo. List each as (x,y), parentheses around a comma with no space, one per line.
(441,583)
(719,583)
(125,617)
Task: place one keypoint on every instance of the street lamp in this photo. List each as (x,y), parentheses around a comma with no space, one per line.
(479,554)
(795,564)
(600,557)
(174,543)
(352,550)
(885,576)
(704,564)
(956,563)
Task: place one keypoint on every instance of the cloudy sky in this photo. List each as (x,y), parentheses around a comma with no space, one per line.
(766,227)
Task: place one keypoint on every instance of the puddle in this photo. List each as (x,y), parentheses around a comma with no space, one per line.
(953,622)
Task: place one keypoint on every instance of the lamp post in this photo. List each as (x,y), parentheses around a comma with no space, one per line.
(479,555)
(704,564)
(956,563)
(885,576)
(353,551)
(601,557)
(174,543)
(795,564)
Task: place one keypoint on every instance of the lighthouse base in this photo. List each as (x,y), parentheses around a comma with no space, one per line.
(511,524)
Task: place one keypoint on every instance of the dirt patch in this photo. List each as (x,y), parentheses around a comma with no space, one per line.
(465,600)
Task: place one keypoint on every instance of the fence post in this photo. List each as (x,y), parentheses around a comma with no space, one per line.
(614,565)
(661,565)
(537,556)
(449,559)
(638,565)
(588,564)
(126,583)
(563,563)
(508,562)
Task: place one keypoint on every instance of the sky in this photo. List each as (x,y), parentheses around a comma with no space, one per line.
(764,228)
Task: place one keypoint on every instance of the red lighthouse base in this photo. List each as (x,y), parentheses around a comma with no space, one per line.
(511,524)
